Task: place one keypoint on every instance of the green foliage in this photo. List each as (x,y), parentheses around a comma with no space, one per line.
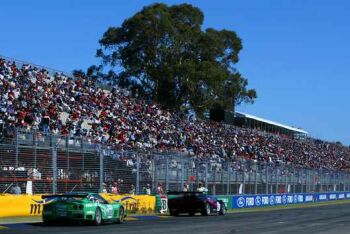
(164,54)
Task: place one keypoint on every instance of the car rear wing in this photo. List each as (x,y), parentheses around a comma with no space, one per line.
(183,193)
(52,196)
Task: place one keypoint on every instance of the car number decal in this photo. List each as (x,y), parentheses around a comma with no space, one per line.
(109,211)
(218,206)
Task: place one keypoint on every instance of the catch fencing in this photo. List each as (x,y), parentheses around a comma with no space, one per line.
(33,163)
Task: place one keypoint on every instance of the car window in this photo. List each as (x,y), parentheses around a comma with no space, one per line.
(100,199)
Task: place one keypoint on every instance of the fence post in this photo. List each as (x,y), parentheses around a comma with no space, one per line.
(213,173)
(296,180)
(68,154)
(244,177)
(35,150)
(256,178)
(197,175)
(54,164)
(16,145)
(309,178)
(167,173)
(83,153)
(101,169)
(182,171)
(319,179)
(266,178)
(154,179)
(277,177)
(286,174)
(138,174)
(205,175)
(228,178)
(306,181)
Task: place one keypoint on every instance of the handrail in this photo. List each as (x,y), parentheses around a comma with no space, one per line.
(52,71)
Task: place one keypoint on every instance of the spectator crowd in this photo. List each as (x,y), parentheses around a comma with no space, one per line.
(31,98)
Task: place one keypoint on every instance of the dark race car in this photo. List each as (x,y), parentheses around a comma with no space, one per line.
(194,202)
(88,207)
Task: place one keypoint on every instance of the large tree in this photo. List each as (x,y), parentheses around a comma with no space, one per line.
(163,53)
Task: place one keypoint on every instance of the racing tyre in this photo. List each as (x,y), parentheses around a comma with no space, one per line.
(98,217)
(174,213)
(121,218)
(48,222)
(207,210)
(222,209)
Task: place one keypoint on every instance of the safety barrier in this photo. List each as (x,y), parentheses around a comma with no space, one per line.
(32,205)
(264,200)
(141,204)
(20,205)
(251,201)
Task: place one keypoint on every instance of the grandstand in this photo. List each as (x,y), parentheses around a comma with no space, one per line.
(46,103)
(250,121)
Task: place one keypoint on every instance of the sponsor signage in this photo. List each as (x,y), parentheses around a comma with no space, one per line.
(248,201)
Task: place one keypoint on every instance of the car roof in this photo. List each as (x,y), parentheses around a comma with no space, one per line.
(184,193)
(72,194)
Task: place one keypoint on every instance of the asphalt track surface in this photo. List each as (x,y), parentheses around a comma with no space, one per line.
(325,219)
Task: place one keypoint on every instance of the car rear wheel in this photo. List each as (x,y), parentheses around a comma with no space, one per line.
(48,222)
(174,213)
(121,216)
(207,210)
(98,217)
(222,209)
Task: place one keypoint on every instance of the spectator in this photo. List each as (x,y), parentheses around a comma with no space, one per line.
(78,107)
(15,189)
(147,189)
(201,188)
(186,187)
(115,189)
(132,190)
(104,190)
(160,190)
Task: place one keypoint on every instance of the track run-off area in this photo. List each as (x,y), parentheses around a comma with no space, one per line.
(320,218)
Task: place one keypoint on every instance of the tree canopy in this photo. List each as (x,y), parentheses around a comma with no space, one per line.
(163,53)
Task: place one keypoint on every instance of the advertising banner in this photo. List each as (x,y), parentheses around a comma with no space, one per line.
(32,205)
(249,201)
(226,199)
(142,204)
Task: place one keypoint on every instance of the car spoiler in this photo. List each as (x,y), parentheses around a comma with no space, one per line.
(183,193)
(64,195)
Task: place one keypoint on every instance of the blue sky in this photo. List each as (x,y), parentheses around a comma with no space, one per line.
(296,52)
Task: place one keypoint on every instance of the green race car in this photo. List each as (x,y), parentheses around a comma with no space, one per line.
(89,207)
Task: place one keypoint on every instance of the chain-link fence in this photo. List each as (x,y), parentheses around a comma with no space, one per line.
(31,162)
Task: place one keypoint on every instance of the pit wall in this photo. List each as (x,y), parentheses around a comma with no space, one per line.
(32,205)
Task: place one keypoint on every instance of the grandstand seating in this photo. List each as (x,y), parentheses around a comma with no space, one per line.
(33,99)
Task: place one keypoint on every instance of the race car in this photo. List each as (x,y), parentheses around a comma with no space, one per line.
(194,202)
(83,207)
